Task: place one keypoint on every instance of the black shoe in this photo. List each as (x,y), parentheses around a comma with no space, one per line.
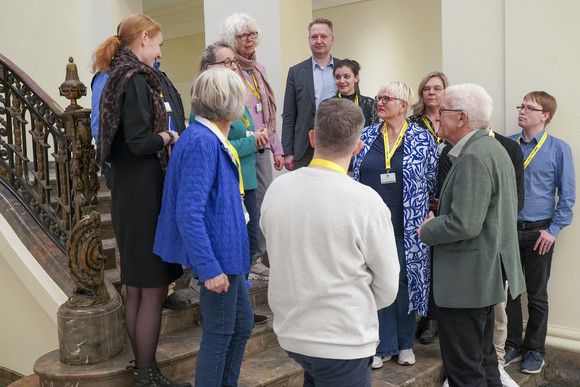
(259,319)
(162,381)
(177,301)
(429,332)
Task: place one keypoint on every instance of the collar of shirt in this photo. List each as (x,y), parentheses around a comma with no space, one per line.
(456,150)
(314,64)
(207,123)
(537,137)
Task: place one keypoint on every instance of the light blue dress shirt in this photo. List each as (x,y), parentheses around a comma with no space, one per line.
(324,86)
(550,172)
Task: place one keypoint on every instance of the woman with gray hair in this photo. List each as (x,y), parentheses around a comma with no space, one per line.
(399,160)
(202,224)
(242,32)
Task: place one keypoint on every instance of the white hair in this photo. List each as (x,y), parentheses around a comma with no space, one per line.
(474,101)
(237,24)
(218,94)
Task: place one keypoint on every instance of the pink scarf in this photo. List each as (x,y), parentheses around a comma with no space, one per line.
(264,89)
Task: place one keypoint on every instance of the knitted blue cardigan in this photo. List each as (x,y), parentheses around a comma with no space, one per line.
(202,224)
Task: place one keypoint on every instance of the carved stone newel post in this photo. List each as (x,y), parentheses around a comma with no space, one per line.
(90,323)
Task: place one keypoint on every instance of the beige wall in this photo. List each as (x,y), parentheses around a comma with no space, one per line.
(41,45)
(29,302)
(511,47)
(391,39)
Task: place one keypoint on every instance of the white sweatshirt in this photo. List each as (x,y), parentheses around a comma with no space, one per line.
(333,263)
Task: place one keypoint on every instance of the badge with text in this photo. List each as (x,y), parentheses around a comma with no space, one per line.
(388,178)
(259,107)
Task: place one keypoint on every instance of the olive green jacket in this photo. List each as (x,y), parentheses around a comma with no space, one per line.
(475,230)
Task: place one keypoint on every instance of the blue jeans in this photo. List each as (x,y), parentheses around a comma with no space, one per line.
(396,325)
(536,269)
(226,321)
(253,225)
(322,372)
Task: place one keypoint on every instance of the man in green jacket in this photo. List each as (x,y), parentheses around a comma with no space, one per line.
(474,238)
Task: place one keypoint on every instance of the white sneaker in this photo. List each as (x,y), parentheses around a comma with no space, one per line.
(506,379)
(260,269)
(378,361)
(406,357)
(446,383)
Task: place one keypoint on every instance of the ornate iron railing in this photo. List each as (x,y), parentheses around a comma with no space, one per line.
(47,160)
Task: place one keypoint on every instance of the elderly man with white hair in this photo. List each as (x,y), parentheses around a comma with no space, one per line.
(473,237)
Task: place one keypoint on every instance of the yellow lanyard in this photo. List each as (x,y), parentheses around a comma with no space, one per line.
(234,153)
(426,121)
(328,164)
(246,121)
(536,149)
(254,91)
(388,153)
(355,98)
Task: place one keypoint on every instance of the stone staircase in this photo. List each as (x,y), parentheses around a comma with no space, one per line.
(264,364)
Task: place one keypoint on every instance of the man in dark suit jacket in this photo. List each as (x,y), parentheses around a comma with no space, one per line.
(474,238)
(309,83)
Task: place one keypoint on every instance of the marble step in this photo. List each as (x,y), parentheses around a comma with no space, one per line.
(176,355)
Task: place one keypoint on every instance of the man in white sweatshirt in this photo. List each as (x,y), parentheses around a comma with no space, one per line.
(333,256)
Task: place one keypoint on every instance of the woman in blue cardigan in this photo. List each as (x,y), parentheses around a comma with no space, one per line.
(202,224)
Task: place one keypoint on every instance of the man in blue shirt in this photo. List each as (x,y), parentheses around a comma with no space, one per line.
(309,83)
(548,171)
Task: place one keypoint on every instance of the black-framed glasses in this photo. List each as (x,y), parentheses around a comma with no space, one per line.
(385,99)
(436,89)
(251,35)
(528,109)
(441,111)
(227,62)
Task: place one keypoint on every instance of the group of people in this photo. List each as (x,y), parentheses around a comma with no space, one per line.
(352,259)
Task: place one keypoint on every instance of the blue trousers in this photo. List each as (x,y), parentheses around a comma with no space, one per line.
(227,319)
(396,325)
(320,372)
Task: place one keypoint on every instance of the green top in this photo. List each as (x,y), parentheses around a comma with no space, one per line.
(245,146)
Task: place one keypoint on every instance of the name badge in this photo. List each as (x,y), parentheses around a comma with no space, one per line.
(168,107)
(388,178)
(440,147)
(259,107)
(249,133)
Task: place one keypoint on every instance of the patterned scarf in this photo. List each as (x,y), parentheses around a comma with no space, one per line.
(123,66)
(266,92)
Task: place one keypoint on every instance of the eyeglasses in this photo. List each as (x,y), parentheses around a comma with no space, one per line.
(528,109)
(244,37)
(385,100)
(441,111)
(436,89)
(227,62)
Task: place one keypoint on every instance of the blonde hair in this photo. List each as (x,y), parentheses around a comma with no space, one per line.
(129,31)
(218,94)
(419,106)
(398,89)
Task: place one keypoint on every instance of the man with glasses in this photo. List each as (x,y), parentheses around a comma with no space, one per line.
(309,83)
(548,170)
(473,238)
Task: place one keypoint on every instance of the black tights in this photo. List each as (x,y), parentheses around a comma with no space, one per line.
(143,308)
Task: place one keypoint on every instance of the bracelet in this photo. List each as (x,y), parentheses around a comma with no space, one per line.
(170,135)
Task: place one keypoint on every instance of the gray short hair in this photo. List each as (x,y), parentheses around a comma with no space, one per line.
(238,24)
(337,126)
(474,101)
(218,94)
(398,89)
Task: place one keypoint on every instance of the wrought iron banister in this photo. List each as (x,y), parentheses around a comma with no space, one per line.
(47,160)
